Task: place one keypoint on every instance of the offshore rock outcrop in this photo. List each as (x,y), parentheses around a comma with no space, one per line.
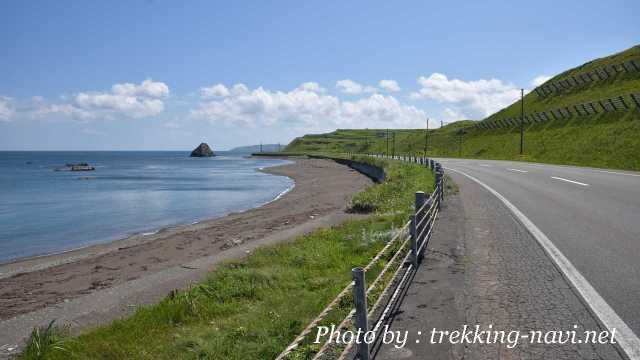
(203,150)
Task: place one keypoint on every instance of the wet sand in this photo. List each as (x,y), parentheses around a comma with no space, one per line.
(71,285)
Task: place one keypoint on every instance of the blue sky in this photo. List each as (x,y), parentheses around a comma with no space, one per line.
(131,75)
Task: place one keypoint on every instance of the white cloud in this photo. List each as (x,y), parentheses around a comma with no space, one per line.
(124,100)
(239,89)
(217,90)
(539,80)
(389,85)
(351,87)
(469,99)
(67,110)
(312,86)
(453,115)
(6,108)
(307,107)
(110,104)
(147,88)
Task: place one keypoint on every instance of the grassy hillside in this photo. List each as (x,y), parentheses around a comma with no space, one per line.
(606,139)
(621,84)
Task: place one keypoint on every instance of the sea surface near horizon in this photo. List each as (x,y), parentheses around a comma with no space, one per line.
(44,211)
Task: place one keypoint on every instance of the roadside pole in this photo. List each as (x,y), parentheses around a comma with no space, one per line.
(521,121)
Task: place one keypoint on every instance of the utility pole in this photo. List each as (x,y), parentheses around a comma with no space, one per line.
(260,146)
(460,133)
(426,138)
(521,121)
(279,148)
(394,144)
(387,142)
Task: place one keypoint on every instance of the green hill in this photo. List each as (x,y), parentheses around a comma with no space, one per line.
(568,120)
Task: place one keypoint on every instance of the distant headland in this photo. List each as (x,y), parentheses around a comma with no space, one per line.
(258,148)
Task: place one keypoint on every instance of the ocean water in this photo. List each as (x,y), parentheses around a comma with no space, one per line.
(44,211)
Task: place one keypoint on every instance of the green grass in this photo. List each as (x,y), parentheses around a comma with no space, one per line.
(252,309)
(609,140)
(46,340)
(622,84)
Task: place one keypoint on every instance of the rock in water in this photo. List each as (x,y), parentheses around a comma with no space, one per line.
(203,150)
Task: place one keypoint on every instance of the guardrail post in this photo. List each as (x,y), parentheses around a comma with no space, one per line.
(440,171)
(419,202)
(360,300)
(438,185)
(414,242)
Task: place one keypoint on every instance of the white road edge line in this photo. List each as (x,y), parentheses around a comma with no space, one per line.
(571,181)
(617,173)
(628,341)
(518,170)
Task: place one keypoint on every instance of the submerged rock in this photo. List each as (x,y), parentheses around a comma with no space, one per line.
(203,150)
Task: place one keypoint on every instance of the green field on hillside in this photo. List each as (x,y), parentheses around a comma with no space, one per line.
(606,139)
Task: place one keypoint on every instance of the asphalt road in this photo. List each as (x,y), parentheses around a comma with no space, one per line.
(591,215)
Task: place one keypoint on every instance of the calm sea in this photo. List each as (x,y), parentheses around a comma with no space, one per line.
(44,211)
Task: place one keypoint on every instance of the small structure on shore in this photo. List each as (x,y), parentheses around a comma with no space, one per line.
(203,150)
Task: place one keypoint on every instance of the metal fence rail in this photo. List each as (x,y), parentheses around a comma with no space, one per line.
(585,78)
(412,239)
(625,102)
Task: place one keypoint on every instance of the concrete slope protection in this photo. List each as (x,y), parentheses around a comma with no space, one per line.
(586,220)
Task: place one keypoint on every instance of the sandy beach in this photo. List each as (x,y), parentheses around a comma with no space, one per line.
(96,284)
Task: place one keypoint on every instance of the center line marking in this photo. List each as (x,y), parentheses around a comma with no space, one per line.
(628,341)
(518,170)
(571,181)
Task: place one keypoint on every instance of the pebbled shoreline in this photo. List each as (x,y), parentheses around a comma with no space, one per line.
(94,285)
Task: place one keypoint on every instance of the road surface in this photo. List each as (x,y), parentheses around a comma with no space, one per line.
(592,216)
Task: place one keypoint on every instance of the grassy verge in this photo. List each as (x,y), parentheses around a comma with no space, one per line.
(253,308)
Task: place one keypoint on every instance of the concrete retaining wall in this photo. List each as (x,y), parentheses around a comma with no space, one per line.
(373,172)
